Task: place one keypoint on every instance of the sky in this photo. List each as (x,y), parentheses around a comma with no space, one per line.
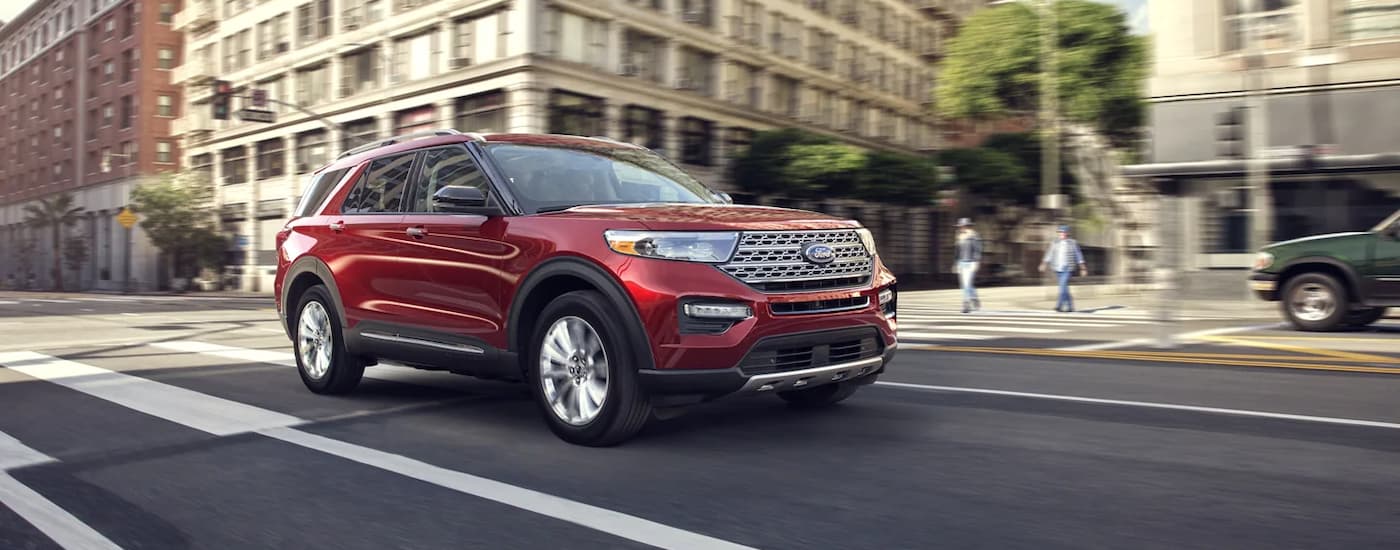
(1136,9)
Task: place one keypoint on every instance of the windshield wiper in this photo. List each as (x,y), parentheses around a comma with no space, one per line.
(559,207)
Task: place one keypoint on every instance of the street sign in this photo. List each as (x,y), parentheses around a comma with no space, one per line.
(126,218)
(259,98)
(257,115)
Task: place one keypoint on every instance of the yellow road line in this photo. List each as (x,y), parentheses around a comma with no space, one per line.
(1331,353)
(1321,338)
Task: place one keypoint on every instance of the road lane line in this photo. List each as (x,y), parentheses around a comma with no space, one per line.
(1148,405)
(8,303)
(1013,330)
(51,301)
(1187,337)
(50,519)
(199,411)
(1273,362)
(600,519)
(907,335)
(1320,352)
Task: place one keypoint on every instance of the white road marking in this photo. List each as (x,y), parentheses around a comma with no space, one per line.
(51,520)
(196,410)
(222,417)
(50,301)
(1029,315)
(1177,338)
(8,303)
(1013,330)
(286,359)
(15,454)
(906,335)
(937,321)
(1149,405)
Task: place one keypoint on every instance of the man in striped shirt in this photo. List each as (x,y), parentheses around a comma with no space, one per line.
(1062,257)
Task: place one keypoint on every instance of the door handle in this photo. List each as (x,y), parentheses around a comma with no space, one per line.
(416,232)
(337,226)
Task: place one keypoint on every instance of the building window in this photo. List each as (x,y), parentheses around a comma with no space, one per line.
(482,113)
(576,38)
(360,72)
(643,126)
(313,21)
(644,56)
(109,28)
(127,111)
(235,161)
(417,57)
(311,150)
(167,12)
(165,58)
(696,140)
(92,124)
(129,20)
(57,133)
(1276,22)
(696,71)
(785,96)
(357,133)
(1370,19)
(164,154)
(272,37)
(312,85)
(480,39)
(105,162)
(128,154)
(128,65)
(698,12)
(109,69)
(165,105)
(575,114)
(739,140)
(272,158)
(108,113)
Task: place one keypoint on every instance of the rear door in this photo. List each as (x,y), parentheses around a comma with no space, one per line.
(459,257)
(364,252)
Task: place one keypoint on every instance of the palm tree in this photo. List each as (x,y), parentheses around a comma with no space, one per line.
(56,214)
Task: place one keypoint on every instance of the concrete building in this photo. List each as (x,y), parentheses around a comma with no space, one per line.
(693,79)
(1328,76)
(86,104)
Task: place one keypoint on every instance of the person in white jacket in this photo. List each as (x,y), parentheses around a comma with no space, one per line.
(1062,256)
(969,256)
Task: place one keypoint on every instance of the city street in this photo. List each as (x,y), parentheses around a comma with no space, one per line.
(179,422)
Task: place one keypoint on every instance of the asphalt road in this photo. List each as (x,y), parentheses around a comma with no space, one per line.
(177,424)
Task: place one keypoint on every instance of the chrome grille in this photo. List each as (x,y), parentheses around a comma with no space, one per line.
(772,260)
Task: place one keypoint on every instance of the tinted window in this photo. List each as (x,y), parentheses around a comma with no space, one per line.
(316,192)
(381,187)
(547,177)
(441,168)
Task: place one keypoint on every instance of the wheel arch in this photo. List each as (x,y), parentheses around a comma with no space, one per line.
(1344,273)
(555,277)
(305,273)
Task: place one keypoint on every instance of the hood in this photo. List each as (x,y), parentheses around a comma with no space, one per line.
(1329,236)
(709,217)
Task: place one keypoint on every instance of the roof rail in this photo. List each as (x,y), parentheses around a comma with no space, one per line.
(398,139)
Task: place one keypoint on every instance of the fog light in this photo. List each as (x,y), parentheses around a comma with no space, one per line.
(731,312)
(885,296)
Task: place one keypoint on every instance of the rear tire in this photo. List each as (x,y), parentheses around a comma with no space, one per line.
(1314,302)
(324,364)
(583,376)
(1364,317)
(820,396)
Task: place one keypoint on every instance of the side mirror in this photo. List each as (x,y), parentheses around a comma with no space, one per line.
(462,200)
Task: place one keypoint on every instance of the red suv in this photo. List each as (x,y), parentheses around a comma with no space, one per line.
(614,284)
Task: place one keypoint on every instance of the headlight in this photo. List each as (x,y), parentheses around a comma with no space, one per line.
(1263,261)
(708,246)
(867,239)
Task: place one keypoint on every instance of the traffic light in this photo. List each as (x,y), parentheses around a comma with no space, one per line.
(1230,133)
(223,99)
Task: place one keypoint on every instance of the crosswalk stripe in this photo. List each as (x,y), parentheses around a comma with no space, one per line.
(286,359)
(14,454)
(223,417)
(1137,319)
(199,411)
(936,321)
(50,519)
(1017,330)
(905,335)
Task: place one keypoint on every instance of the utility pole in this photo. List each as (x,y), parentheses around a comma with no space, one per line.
(1257,177)
(1049,108)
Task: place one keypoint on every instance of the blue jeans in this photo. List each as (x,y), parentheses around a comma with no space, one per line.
(967,275)
(1065,301)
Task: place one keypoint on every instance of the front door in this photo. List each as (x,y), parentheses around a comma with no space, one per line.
(1385,263)
(459,257)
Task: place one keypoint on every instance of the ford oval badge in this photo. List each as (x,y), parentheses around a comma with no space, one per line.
(819,253)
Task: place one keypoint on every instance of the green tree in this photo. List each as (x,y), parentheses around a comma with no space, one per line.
(177,215)
(994,177)
(898,178)
(993,68)
(761,170)
(1026,148)
(56,214)
(75,254)
(829,169)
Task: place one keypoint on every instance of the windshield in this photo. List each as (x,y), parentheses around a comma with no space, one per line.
(552,177)
(1385,224)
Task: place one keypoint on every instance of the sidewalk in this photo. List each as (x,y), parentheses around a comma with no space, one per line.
(1142,299)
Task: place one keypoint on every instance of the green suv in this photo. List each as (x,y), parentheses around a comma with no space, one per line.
(1326,282)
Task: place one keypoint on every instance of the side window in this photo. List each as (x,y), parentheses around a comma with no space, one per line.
(381,187)
(441,168)
(316,192)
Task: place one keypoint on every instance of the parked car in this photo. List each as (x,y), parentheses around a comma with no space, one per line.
(615,285)
(1326,282)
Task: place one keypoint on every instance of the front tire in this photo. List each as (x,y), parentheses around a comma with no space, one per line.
(820,396)
(322,360)
(582,375)
(1314,302)
(1364,317)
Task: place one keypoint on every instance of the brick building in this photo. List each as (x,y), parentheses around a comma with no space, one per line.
(86,105)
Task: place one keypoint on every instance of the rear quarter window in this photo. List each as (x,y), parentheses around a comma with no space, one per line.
(317,190)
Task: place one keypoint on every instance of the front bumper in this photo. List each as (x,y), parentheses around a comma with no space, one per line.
(684,387)
(1265,286)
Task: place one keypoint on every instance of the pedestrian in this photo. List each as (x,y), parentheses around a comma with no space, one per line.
(1062,256)
(969,255)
